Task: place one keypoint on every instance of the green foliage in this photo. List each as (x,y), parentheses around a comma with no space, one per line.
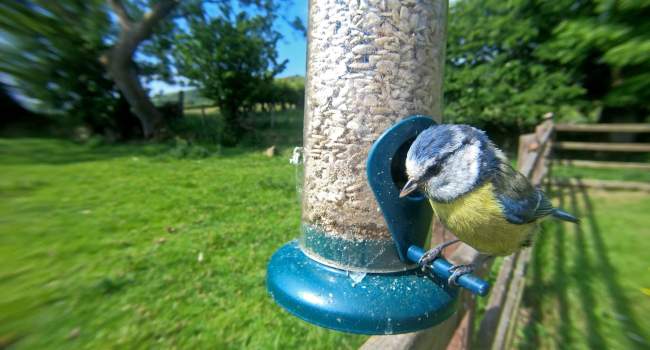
(280,128)
(55,53)
(192,98)
(170,111)
(120,247)
(492,74)
(290,90)
(610,39)
(51,50)
(510,62)
(198,128)
(283,93)
(186,149)
(231,57)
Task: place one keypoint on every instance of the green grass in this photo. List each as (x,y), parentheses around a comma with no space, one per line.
(601,174)
(589,285)
(100,248)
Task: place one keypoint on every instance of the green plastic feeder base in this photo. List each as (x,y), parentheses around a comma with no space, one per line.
(373,303)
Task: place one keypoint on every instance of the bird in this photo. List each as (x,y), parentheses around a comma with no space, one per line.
(475,193)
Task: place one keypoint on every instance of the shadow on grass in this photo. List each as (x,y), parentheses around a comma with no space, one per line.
(586,272)
(560,281)
(605,271)
(534,293)
(591,264)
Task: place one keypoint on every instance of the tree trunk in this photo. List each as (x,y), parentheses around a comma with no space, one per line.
(126,79)
(120,66)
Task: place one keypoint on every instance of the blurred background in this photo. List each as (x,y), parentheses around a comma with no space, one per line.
(145,183)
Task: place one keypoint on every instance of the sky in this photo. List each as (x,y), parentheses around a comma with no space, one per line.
(293,47)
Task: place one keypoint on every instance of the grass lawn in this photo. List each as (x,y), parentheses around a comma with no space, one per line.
(130,246)
(589,285)
(160,246)
(564,171)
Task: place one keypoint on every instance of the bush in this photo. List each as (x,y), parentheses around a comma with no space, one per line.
(170,111)
(184,149)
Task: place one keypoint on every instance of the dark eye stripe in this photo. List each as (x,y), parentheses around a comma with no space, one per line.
(435,169)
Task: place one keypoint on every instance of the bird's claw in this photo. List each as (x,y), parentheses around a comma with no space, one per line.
(457,271)
(434,253)
(430,256)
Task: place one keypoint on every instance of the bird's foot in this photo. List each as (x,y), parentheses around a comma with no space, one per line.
(434,253)
(457,271)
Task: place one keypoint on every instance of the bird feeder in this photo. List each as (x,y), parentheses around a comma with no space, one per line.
(354,268)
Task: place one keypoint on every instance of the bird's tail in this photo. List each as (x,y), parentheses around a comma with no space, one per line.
(563,215)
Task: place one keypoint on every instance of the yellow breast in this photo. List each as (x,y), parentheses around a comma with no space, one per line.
(477,219)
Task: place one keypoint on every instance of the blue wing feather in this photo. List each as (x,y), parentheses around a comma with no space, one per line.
(525,209)
(521,202)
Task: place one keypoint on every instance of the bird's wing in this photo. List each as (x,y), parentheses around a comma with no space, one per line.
(522,203)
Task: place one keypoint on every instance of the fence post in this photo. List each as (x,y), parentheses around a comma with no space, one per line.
(181,103)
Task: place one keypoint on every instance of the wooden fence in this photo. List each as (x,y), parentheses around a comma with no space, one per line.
(605,147)
(496,328)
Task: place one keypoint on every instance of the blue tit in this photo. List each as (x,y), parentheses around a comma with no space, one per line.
(475,192)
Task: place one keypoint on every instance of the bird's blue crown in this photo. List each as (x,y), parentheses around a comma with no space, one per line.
(460,155)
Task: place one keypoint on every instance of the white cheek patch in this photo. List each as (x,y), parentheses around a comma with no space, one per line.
(459,174)
(413,170)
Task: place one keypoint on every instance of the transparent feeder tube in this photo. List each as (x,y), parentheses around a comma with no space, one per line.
(370,64)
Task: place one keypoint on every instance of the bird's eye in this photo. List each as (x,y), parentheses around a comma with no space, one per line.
(433,170)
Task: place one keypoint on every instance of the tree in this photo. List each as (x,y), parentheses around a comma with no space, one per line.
(231,57)
(82,63)
(509,62)
(121,67)
(59,53)
(493,76)
(50,49)
(606,46)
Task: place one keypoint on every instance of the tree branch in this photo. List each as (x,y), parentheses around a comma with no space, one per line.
(131,37)
(122,15)
(158,11)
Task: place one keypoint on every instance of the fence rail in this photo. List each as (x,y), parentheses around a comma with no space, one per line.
(606,147)
(603,164)
(632,128)
(603,146)
(603,184)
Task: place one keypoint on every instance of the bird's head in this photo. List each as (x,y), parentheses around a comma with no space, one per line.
(447,161)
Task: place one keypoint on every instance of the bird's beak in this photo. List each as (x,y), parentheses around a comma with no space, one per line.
(410,186)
